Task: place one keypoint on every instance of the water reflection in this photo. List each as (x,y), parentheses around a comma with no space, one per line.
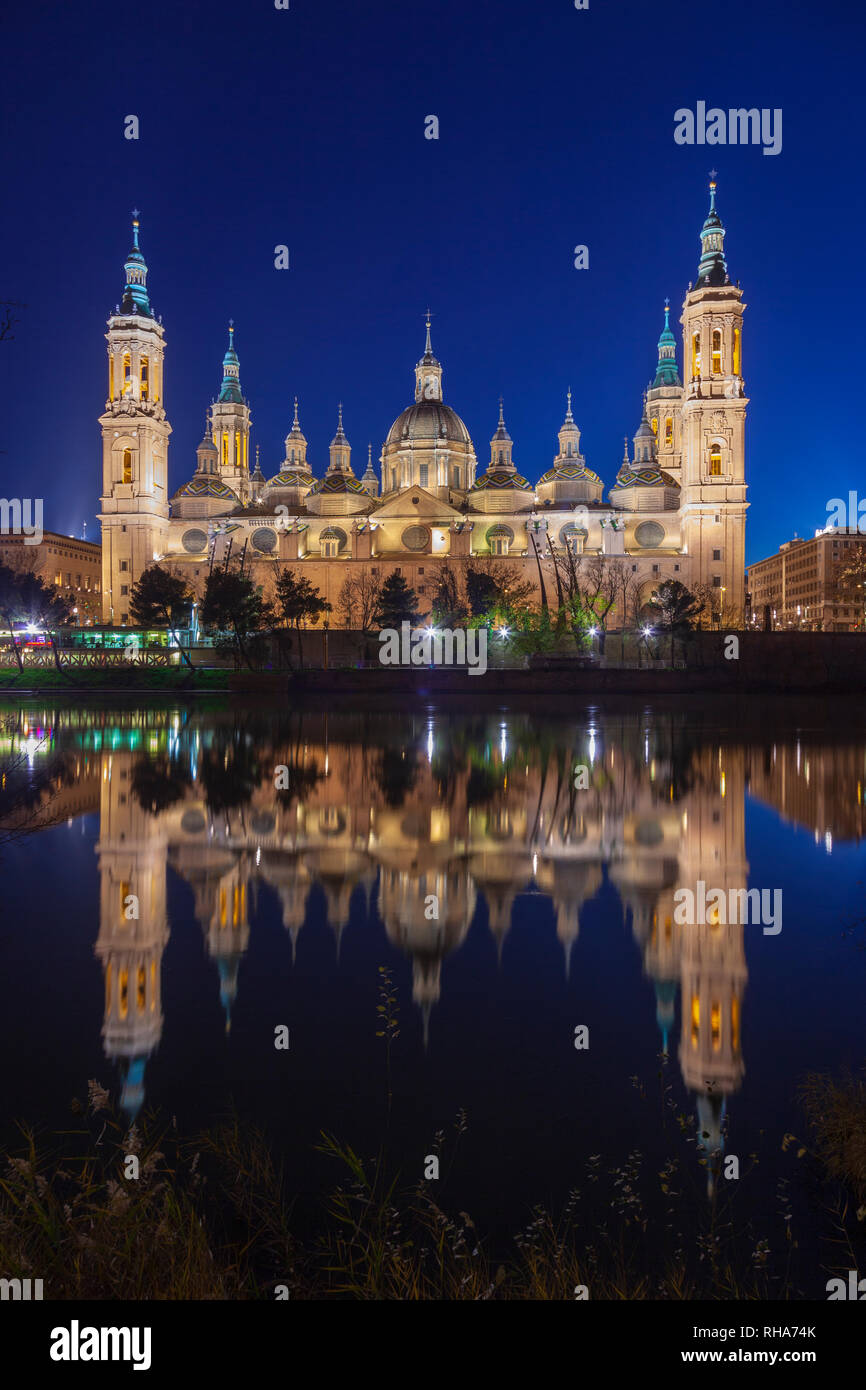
(425,816)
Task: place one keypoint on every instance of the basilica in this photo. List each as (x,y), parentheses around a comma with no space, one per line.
(676,509)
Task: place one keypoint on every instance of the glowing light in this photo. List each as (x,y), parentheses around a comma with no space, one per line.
(828,842)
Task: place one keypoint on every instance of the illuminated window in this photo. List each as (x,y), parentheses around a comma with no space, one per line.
(225,449)
(669,431)
(696,1019)
(237,450)
(124,894)
(108,975)
(736,352)
(127,367)
(127,466)
(152,986)
(111,377)
(143,376)
(715,460)
(716,1025)
(222,907)
(424,470)
(123,1001)
(655,424)
(735,1025)
(696,354)
(717,352)
(140,989)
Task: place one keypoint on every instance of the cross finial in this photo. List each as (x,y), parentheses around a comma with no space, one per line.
(135,214)
(296,411)
(713,175)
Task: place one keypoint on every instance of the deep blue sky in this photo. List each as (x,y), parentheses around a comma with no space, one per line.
(306,127)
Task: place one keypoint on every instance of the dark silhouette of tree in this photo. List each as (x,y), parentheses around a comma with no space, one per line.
(678,609)
(159,783)
(24,598)
(160,599)
(397,603)
(298,602)
(232,603)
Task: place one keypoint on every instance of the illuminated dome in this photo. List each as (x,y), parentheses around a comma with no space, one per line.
(428,422)
(569,473)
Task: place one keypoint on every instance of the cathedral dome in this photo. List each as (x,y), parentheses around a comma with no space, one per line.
(428,421)
(651,476)
(299,476)
(206,485)
(337,484)
(570,473)
(496,478)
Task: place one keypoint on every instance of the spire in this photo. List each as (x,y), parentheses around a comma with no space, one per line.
(135,298)
(712,270)
(569,437)
(369,469)
(231,387)
(258,475)
(341,451)
(296,443)
(666,368)
(428,372)
(340,436)
(502,432)
(501,444)
(644,440)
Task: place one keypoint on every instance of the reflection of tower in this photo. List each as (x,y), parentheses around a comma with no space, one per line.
(290,878)
(132,858)
(402,900)
(713,973)
(220,883)
(570,883)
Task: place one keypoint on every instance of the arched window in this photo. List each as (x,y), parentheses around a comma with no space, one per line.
(715,460)
(569,450)
(144,378)
(123,991)
(696,354)
(736,352)
(655,424)
(717,352)
(140,989)
(127,367)
(669,432)
(127,466)
(696,1020)
(237,451)
(225,450)
(111,376)
(501,457)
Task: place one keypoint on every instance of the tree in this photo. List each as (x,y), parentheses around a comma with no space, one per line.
(24,598)
(161,599)
(232,603)
(358,602)
(678,607)
(448,608)
(298,601)
(398,603)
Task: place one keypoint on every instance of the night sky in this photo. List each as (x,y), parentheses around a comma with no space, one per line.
(306,127)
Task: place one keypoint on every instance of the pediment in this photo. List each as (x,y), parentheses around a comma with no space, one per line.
(402,508)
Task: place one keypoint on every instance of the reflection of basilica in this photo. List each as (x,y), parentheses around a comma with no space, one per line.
(422,818)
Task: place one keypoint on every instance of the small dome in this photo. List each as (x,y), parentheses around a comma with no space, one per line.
(571,473)
(643,477)
(428,420)
(206,485)
(499,479)
(207,446)
(335,483)
(296,476)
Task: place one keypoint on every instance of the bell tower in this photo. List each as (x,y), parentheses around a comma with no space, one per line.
(135,431)
(428,373)
(230,417)
(714,425)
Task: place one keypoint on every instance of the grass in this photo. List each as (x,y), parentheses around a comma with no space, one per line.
(133,678)
(836,1111)
(214,1219)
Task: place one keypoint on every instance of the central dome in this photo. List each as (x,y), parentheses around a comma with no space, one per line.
(428,421)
